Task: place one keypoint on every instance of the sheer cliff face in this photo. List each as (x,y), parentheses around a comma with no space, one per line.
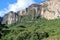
(51,9)
(35,9)
(23,12)
(9,18)
(13,17)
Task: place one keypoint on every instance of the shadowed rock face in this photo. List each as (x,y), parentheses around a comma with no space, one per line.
(35,9)
(51,9)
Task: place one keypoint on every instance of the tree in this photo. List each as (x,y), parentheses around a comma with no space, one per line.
(1,27)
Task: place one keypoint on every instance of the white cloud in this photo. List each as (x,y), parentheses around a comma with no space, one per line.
(3,12)
(19,5)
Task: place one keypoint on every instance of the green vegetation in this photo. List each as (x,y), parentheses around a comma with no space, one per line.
(41,29)
(2,32)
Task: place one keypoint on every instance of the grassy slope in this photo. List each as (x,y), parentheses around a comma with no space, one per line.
(41,25)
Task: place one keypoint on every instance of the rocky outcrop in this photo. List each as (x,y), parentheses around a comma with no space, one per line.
(51,9)
(33,11)
(23,12)
(10,17)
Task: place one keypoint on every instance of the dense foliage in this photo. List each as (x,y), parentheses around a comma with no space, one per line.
(2,32)
(41,29)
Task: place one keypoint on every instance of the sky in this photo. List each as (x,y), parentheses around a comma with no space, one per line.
(16,5)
